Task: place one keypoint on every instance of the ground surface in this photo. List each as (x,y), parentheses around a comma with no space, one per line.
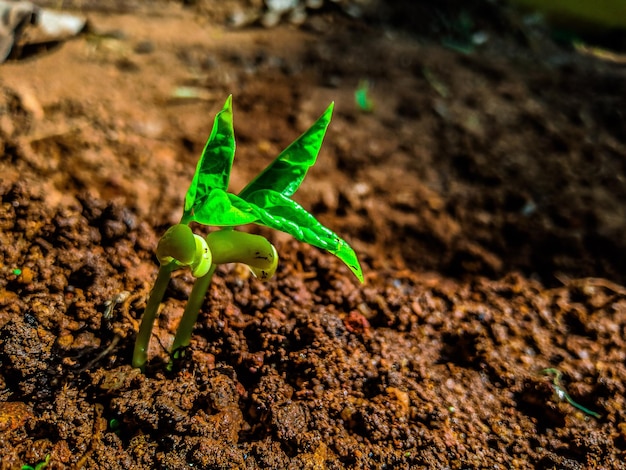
(484,195)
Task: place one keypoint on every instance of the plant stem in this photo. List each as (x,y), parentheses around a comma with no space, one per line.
(190,315)
(563,395)
(140,353)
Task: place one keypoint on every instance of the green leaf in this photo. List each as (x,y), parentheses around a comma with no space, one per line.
(223,209)
(286,172)
(277,211)
(266,200)
(213,170)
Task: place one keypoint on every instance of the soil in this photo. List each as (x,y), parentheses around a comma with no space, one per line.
(484,195)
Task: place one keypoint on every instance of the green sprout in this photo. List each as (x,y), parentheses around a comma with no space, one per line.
(563,395)
(362,98)
(40,466)
(115,426)
(266,201)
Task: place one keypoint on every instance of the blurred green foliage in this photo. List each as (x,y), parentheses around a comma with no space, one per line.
(596,14)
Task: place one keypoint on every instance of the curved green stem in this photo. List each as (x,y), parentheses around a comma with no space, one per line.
(563,395)
(140,353)
(190,315)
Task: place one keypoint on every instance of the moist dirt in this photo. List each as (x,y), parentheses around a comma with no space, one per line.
(484,195)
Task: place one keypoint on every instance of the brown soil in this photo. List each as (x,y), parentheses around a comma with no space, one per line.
(484,195)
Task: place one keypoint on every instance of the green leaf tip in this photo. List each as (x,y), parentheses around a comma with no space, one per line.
(216,161)
(287,171)
(346,254)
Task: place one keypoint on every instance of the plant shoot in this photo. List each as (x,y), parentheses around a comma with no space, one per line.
(266,200)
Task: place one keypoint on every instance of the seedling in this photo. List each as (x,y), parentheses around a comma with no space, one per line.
(563,395)
(40,466)
(266,200)
(362,98)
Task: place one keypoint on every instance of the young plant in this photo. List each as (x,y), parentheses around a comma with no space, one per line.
(266,200)
(40,466)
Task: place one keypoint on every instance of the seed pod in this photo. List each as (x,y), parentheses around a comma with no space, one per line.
(180,244)
(177,243)
(231,246)
(203,258)
(266,272)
